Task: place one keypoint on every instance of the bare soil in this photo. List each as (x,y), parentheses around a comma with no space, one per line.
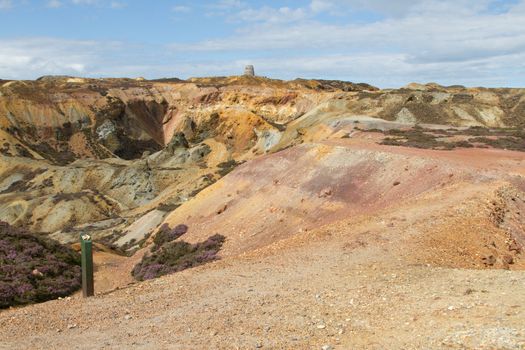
(389,258)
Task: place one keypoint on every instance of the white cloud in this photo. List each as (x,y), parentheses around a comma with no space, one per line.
(85,2)
(101,3)
(384,7)
(321,5)
(181,9)
(117,5)
(448,41)
(5,4)
(428,39)
(271,15)
(229,4)
(394,70)
(54,4)
(29,58)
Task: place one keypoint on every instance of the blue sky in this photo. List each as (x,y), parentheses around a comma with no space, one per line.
(385,43)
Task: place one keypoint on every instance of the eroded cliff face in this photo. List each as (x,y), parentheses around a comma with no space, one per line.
(63,119)
(102,154)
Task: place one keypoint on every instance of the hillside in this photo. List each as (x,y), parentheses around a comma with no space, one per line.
(352,217)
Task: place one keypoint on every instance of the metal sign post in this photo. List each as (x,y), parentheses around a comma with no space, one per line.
(88,289)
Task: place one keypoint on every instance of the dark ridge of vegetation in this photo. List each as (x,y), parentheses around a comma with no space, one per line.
(207,129)
(34,268)
(463,144)
(166,235)
(134,149)
(174,256)
(482,131)
(510,143)
(168,207)
(23,152)
(109,242)
(168,80)
(415,138)
(226,167)
(25,183)
(60,157)
(418,137)
(66,197)
(280,127)
(5,150)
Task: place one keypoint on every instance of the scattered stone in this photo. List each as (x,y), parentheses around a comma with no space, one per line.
(469,291)
(71,326)
(507,259)
(222,209)
(37,273)
(128,317)
(321,326)
(396,183)
(514,247)
(327,347)
(327,192)
(489,260)
(178,141)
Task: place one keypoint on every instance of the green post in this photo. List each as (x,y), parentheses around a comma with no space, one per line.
(88,289)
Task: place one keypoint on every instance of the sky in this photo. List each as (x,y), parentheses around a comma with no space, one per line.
(387,43)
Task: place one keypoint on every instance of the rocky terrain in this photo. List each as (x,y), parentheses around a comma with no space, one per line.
(353,217)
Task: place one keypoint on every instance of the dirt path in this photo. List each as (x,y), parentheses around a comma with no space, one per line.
(303,301)
(358,284)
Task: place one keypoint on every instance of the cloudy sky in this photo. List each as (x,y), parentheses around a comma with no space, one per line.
(387,43)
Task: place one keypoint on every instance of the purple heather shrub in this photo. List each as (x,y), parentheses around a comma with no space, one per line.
(152,271)
(21,253)
(175,256)
(167,234)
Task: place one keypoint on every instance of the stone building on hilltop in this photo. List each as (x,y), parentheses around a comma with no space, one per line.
(249,71)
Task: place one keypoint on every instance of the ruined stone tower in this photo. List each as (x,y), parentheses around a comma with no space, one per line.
(249,71)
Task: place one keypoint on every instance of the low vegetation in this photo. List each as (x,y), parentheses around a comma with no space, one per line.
(226,167)
(34,268)
(169,256)
(479,137)
(166,235)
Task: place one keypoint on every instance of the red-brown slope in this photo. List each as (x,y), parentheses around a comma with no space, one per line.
(308,186)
